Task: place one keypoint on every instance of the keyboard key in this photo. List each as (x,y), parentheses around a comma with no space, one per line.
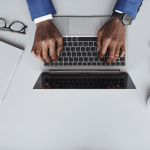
(67,49)
(87,38)
(96,59)
(79,63)
(76,59)
(73,54)
(117,63)
(80,58)
(95,53)
(75,63)
(70,59)
(69,39)
(95,44)
(85,59)
(83,54)
(89,53)
(75,38)
(66,63)
(60,63)
(103,64)
(80,44)
(65,59)
(77,49)
(99,63)
(122,59)
(46,64)
(64,43)
(64,54)
(91,58)
(94,63)
(64,39)
(91,44)
(86,44)
(117,60)
(89,63)
(56,63)
(75,44)
(70,63)
(122,63)
(84,63)
(72,49)
(82,49)
(88,49)
(93,49)
(113,63)
(68,54)
(78,53)
(69,43)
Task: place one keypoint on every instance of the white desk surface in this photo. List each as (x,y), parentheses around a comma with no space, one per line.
(80,119)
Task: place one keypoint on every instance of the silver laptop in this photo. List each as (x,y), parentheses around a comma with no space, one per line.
(78,67)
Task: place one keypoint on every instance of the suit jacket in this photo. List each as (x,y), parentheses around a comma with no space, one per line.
(39,8)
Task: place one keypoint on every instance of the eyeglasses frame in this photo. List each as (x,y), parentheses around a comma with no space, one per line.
(5,28)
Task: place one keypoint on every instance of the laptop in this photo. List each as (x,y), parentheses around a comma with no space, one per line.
(78,67)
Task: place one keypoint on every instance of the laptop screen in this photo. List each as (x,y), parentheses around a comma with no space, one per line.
(76,80)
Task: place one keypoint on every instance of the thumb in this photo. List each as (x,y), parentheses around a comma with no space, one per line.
(98,41)
(59,45)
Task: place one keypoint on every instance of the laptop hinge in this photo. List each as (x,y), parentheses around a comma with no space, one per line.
(111,71)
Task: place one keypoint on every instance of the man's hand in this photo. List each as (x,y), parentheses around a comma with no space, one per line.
(46,37)
(111,35)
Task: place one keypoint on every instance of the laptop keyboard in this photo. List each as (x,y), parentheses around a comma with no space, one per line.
(82,51)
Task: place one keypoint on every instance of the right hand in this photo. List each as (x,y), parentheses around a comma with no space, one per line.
(46,37)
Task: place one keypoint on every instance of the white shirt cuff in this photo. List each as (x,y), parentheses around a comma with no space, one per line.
(43,18)
(119,11)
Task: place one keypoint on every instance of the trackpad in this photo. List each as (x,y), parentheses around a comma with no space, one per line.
(84,26)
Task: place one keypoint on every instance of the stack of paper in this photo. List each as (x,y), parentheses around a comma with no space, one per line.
(9,58)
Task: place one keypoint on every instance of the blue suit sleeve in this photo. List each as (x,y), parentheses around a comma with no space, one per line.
(39,8)
(129,7)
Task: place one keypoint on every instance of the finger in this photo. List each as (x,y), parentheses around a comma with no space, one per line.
(111,54)
(99,40)
(45,54)
(39,53)
(123,51)
(59,45)
(104,47)
(52,49)
(117,53)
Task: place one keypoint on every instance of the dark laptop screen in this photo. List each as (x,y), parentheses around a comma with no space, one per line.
(92,80)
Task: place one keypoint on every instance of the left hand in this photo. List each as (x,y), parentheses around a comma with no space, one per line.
(111,35)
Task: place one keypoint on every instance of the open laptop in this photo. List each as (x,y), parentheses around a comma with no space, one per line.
(78,67)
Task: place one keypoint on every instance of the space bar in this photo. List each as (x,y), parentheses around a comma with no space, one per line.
(87,38)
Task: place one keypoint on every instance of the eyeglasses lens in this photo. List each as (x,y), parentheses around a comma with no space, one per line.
(2,23)
(16,26)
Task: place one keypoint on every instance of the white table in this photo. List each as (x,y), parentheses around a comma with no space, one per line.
(81,119)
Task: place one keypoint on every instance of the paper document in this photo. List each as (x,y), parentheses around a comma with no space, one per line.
(9,58)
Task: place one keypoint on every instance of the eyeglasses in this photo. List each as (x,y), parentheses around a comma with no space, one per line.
(15,27)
